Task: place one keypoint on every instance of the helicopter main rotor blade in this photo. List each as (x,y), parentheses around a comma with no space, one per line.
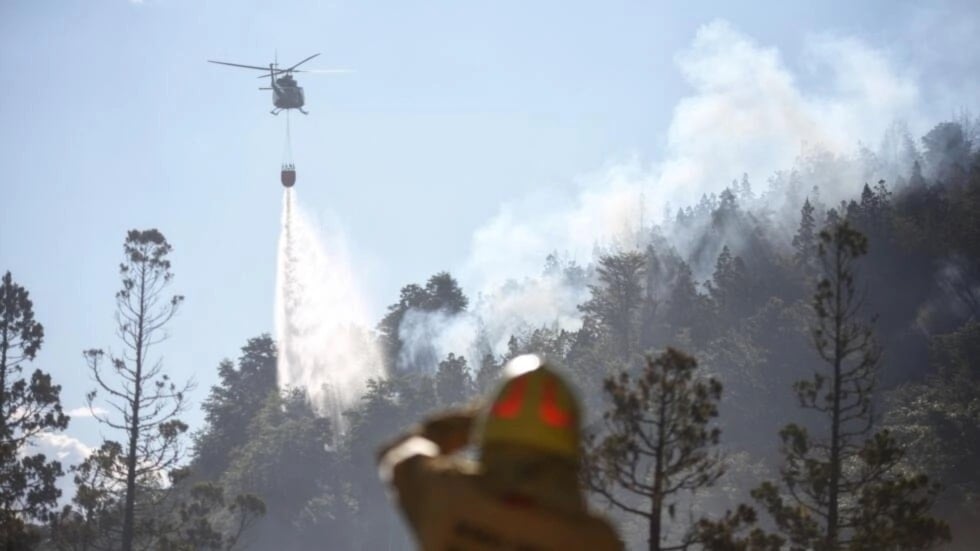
(310,72)
(323,71)
(301,62)
(266,69)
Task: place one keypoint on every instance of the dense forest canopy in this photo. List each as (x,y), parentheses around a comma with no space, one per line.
(730,295)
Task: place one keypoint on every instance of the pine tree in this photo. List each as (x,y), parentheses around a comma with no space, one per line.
(146,400)
(842,485)
(487,374)
(650,303)
(805,240)
(28,407)
(444,294)
(658,441)
(686,309)
(453,382)
(616,300)
(231,405)
(727,203)
(730,287)
(441,293)
(745,195)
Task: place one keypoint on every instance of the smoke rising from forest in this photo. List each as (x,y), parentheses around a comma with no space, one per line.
(749,122)
(748,113)
(319,316)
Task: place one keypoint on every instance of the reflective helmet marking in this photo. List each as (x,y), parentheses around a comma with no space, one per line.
(550,411)
(510,404)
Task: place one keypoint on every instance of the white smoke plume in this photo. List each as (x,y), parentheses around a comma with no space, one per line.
(836,117)
(320,319)
(430,336)
(748,112)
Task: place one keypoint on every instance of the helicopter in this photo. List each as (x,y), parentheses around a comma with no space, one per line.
(286,93)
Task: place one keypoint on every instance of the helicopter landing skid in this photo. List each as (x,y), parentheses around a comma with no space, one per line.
(280,110)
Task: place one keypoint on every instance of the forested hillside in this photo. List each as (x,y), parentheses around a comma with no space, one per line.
(741,287)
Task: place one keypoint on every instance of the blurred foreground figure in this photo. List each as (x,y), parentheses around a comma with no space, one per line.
(523,493)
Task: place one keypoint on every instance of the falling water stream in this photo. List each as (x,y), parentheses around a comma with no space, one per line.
(324,347)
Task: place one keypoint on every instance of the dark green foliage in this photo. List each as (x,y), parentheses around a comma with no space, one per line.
(686,308)
(939,422)
(443,293)
(453,382)
(290,463)
(658,441)
(380,415)
(757,358)
(728,279)
(201,519)
(750,325)
(841,488)
(29,406)
(947,152)
(805,240)
(440,294)
(232,404)
(616,299)
(94,518)
(726,534)
(731,289)
(194,527)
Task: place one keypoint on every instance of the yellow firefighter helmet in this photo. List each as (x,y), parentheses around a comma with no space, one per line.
(533,408)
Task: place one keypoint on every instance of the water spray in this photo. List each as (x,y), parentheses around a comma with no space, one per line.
(320,320)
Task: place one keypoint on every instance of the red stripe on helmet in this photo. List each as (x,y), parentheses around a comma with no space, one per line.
(509,405)
(550,412)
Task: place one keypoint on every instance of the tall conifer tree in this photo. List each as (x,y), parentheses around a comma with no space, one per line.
(145,400)
(28,407)
(841,487)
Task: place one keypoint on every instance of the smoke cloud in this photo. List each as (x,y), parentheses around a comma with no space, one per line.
(748,112)
(835,118)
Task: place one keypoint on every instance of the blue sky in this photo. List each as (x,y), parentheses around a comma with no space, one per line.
(112,119)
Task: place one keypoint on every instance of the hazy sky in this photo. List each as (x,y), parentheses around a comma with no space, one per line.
(112,119)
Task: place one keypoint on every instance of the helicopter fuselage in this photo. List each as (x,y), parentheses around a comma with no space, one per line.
(286,94)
